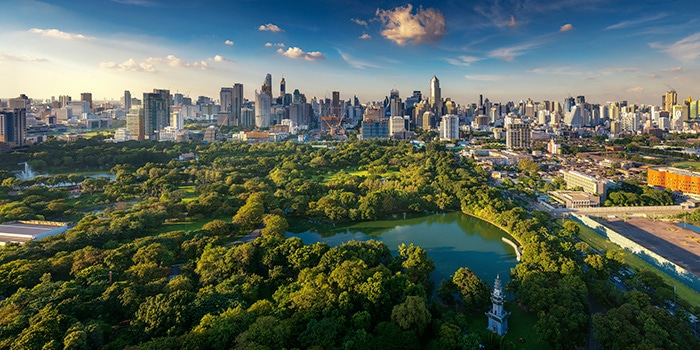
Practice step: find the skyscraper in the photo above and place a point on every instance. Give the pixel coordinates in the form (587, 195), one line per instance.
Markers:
(335, 104)
(262, 109)
(267, 85)
(127, 100)
(87, 97)
(13, 126)
(156, 112)
(449, 127)
(236, 103)
(517, 135)
(670, 99)
(63, 100)
(435, 97)
(283, 88)
(135, 124)
(226, 99)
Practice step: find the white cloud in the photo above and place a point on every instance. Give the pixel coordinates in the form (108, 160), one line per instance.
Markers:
(145, 3)
(228, 42)
(356, 63)
(465, 61)
(484, 77)
(274, 44)
(129, 66)
(567, 27)
(219, 58)
(612, 70)
(176, 62)
(55, 33)
(654, 76)
(686, 49)
(673, 70)
(365, 36)
(297, 53)
(635, 89)
(270, 28)
(636, 22)
(359, 21)
(509, 53)
(23, 58)
(403, 27)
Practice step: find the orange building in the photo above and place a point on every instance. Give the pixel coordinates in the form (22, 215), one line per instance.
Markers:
(675, 179)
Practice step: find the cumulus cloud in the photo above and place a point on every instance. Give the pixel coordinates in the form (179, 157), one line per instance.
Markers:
(365, 36)
(635, 89)
(270, 28)
(274, 44)
(219, 58)
(484, 77)
(359, 21)
(403, 27)
(228, 42)
(355, 62)
(673, 70)
(55, 33)
(465, 61)
(129, 66)
(567, 27)
(297, 53)
(23, 58)
(176, 62)
(686, 49)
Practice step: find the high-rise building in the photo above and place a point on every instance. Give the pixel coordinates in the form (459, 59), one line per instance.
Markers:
(335, 104)
(568, 103)
(236, 103)
(13, 126)
(396, 124)
(262, 109)
(517, 135)
(267, 85)
(449, 127)
(156, 112)
(135, 124)
(435, 97)
(226, 99)
(670, 100)
(127, 100)
(87, 97)
(283, 87)
(63, 100)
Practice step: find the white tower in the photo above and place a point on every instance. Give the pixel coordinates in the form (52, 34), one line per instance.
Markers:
(498, 318)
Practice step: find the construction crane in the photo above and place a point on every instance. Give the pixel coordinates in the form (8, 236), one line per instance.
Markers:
(670, 87)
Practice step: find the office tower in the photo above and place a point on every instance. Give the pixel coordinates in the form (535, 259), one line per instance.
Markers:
(21, 102)
(449, 127)
(529, 108)
(127, 100)
(179, 100)
(335, 104)
(283, 87)
(262, 109)
(226, 99)
(435, 98)
(237, 103)
(135, 124)
(581, 100)
(87, 97)
(568, 103)
(670, 100)
(267, 85)
(517, 135)
(63, 100)
(13, 126)
(450, 106)
(156, 112)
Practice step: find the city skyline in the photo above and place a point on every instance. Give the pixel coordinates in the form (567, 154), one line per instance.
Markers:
(505, 50)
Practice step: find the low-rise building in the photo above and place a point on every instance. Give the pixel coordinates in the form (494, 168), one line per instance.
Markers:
(26, 230)
(576, 199)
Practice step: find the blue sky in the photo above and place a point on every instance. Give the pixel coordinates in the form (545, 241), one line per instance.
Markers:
(505, 49)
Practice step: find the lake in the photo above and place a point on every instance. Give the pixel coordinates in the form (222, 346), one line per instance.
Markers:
(452, 240)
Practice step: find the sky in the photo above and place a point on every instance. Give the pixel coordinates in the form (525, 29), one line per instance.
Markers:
(507, 50)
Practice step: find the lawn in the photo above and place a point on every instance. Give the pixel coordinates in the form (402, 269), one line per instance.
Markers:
(521, 329)
(360, 173)
(189, 193)
(635, 263)
(187, 225)
(695, 166)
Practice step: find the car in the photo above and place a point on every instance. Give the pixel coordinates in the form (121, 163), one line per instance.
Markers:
(617, 279)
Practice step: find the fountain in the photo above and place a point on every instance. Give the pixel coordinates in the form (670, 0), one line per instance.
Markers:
(27, 173)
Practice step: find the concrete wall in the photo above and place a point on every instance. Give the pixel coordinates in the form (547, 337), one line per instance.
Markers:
(656, 260)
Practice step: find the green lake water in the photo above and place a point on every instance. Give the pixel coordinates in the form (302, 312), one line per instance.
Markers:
(452, 240)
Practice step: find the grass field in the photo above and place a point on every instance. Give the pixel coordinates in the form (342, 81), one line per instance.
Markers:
(695, 166)
(187, 225)
(189, 193)
(360, 173)
(635, 263)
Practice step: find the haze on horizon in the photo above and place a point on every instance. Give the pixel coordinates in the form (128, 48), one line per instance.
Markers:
(505, 50)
